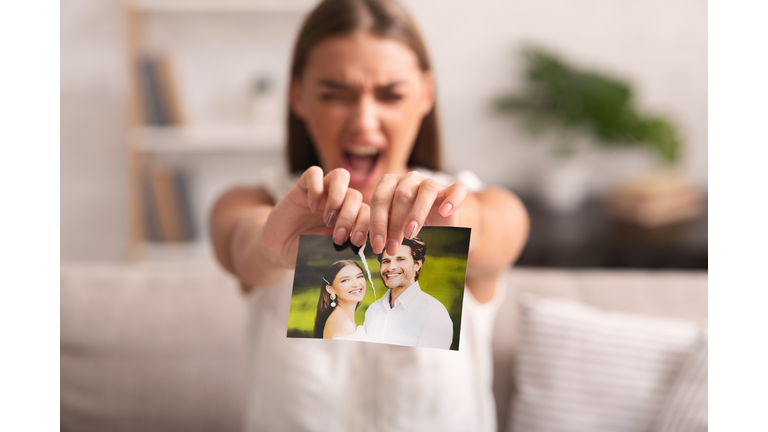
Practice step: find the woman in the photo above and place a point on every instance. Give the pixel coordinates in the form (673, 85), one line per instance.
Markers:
(342, 290)
(364, 147)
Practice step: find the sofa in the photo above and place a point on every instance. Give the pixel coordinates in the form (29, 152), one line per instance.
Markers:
(162, 347)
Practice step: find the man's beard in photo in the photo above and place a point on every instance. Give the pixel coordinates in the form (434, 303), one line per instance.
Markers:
(401, 282)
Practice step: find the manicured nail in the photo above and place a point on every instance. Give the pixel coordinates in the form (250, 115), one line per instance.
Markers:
(314, 205)
(358, 239)
(377, 244)
(330, 218)
(445, 209)
(340, 236)
(411, 228)
(392, 247)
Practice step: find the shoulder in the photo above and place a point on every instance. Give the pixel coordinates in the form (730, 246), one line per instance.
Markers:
(276, 181)
(432, 306)
(249, 196)
(429, 300)
(337, 326)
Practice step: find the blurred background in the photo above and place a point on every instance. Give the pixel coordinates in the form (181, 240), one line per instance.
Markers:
(166, 103)
(594, 112)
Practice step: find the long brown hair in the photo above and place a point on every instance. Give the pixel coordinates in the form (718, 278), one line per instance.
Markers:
(324, 308)
(385, 18)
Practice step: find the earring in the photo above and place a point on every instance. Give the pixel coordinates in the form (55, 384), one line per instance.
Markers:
(333, 300)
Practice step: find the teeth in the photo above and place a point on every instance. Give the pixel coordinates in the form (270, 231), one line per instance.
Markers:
(363, 151)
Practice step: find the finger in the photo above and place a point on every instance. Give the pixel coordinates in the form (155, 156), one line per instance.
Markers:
(312, 182)
(381, 200)
(402, 203)
(452, 198)
(336, 184)
(428, 193)
(347, 216)
(360, 230)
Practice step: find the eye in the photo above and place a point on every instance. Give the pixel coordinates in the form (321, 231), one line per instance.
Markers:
(340, 95)
(390, 97)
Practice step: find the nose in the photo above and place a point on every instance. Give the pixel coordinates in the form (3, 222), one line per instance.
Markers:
(366, 116)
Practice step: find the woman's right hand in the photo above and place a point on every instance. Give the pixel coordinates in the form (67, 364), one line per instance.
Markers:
(316, 204)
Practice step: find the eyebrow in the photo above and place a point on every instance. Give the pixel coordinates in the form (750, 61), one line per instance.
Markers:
(340, 86)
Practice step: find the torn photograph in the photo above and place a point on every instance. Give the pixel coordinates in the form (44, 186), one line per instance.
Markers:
(412, 298)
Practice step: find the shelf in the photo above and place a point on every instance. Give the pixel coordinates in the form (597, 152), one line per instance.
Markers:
(589, 238)
(225, 6)
(209, 139)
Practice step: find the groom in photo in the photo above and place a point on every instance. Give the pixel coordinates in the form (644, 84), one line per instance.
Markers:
(406, 315)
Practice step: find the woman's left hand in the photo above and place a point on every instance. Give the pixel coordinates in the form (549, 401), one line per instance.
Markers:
(402, 204)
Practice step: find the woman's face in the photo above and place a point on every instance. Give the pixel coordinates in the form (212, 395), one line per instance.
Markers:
(363, 98)
(349, 285)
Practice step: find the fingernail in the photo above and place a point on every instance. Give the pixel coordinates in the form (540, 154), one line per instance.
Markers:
(411, 228)
(340, 236)
(392, 246)
(313, 206)
(378, 244)
(358, 239)
(330, 218)
(445, 210)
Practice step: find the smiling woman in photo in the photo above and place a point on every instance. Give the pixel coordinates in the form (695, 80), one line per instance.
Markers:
(342, 289)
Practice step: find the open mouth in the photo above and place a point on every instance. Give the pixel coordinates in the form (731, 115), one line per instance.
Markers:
(356, 291)
(391, 275)
(361, 162)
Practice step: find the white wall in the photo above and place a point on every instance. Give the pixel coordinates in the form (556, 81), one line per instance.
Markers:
(661, 46)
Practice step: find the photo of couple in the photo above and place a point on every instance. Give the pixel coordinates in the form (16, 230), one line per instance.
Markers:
(412, 298)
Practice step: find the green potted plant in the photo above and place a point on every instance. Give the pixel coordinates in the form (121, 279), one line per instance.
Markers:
(572, 103)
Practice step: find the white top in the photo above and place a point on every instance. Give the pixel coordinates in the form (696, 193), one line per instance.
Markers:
(358, 335)
(418, 319)
(328, 385)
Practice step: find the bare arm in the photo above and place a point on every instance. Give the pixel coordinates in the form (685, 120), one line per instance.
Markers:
(500, 228)
(237, 220)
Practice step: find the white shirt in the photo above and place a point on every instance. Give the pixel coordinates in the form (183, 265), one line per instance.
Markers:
(340, 385)
(418, 319)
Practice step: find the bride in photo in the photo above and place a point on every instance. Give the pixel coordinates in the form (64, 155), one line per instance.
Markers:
(342, 288)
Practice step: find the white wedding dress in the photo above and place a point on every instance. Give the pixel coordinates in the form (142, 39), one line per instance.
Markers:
(358, 335)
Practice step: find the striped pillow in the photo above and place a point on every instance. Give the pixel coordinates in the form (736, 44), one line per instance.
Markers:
(580, 368)
(685, 409)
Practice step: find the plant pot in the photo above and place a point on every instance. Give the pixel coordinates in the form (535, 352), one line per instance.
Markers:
(564, 185)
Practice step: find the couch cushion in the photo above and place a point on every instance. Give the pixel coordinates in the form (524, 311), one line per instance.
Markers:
(580, 368)
(685, 409)
(666, 293)
(151, 348)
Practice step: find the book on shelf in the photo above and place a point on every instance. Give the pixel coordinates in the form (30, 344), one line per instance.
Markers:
(154, 233)
(168, 209)
(159, 91)
(181, 183)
